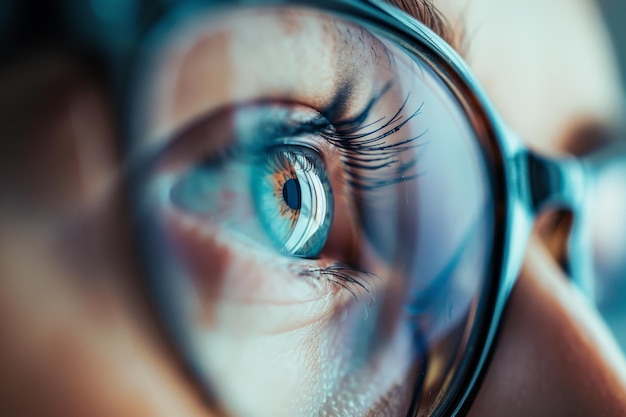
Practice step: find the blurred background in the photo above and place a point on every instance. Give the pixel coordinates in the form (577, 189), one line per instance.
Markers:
(615, 15)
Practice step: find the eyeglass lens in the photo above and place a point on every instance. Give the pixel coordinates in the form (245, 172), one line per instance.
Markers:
(317, 212)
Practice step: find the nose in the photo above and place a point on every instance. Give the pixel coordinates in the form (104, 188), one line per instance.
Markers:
(554, 356)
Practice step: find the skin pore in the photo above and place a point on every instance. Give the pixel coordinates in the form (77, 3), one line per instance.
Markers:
(74, 346)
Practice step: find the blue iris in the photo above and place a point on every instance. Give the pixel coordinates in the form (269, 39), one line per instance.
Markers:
(286, 188)
(294, 200)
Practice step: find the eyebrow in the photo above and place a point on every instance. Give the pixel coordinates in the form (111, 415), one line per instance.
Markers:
(427, 13)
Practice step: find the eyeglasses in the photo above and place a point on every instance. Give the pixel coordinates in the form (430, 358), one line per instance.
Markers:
(332, 212)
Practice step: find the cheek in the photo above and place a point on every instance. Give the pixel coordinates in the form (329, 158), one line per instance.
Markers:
(254, 325)
(75, 337)
(275, 340)
(554, 355)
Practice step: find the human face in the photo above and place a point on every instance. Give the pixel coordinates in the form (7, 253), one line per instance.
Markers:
(104, 325)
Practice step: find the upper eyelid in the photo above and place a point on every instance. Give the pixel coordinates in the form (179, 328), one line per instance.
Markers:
(429, 15)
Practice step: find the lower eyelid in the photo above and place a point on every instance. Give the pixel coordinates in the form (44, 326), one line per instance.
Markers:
(219, 259)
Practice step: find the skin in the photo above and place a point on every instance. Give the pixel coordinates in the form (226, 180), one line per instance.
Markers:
(78, 336)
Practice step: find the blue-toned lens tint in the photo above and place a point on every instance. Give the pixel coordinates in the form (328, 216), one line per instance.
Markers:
(321, 224)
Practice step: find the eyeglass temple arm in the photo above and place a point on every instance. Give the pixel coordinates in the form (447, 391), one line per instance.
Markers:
(572, 184)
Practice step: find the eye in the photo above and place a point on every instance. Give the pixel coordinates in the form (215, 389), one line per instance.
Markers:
(294, 200)
(285, 188)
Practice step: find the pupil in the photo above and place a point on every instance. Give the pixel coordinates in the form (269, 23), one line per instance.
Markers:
(291, 194)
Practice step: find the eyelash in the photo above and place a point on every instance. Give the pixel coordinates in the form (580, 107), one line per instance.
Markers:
(362, 151)
(352, 278)
(367, 150)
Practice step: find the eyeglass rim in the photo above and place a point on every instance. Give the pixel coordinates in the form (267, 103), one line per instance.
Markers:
(505, 153)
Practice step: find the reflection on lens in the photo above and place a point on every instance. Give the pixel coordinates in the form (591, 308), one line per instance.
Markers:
(318, 217)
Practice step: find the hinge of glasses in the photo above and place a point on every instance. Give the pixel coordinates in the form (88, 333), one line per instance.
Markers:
(560, 184)
(554, 183)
